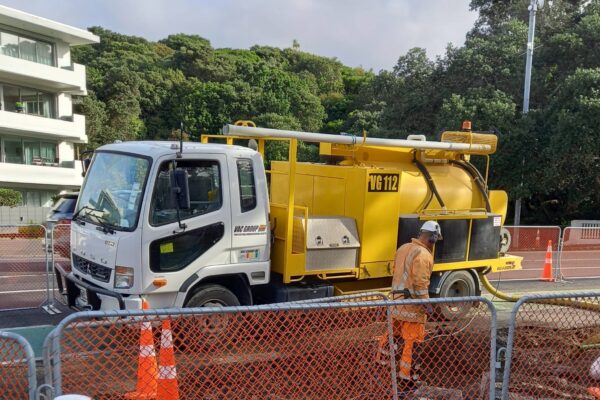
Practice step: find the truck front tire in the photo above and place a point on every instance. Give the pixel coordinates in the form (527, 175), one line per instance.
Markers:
(212, 296)
(190, 329)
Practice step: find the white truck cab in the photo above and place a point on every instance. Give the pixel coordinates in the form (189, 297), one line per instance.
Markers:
(157, 219)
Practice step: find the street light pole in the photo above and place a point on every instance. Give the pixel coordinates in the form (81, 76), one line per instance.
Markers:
(533, 6)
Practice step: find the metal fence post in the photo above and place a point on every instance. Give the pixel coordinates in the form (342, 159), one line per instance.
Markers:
(29, 359)
(493, 343)
(50, 306)
(509, 347)
(393, 373)
(558, 273)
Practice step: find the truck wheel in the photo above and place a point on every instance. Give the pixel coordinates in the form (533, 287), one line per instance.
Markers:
(457, 284)
(212, 296)
(213, 325)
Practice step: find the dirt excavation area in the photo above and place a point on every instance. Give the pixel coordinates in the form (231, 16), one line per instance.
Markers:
(552, 358)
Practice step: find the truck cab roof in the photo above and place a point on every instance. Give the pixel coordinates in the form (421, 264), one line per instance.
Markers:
(156, 149)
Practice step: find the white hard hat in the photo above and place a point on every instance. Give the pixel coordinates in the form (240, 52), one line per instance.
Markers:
(431, 226)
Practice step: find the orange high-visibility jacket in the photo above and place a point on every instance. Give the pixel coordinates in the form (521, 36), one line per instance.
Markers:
(412, 270)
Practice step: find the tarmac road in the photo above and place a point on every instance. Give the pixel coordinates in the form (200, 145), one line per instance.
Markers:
(520, 288)
(573, 264)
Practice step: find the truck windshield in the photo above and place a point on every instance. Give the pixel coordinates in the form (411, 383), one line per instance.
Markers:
(112, 193)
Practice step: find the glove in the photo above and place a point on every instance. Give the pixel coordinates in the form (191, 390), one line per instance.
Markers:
(429, 310)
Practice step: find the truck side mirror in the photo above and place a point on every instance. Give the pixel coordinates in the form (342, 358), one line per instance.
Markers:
(85, 164)
(181, 189)
(86, 161)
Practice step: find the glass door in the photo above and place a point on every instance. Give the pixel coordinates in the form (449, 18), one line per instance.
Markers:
(13, 151)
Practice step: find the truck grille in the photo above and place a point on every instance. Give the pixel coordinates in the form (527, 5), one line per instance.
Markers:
(95, 270)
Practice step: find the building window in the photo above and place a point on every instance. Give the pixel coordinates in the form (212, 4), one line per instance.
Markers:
(29, 151)
(26, 48)
(27, 101)
(37, 198)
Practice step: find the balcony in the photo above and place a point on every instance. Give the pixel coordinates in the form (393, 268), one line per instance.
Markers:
(56, 79)
(48, 176)
(19, 123)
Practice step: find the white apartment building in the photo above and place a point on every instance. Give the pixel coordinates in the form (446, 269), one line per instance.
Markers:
(39, 134)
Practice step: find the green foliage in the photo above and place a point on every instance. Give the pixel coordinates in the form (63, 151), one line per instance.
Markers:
(143, 90)
(10, 198)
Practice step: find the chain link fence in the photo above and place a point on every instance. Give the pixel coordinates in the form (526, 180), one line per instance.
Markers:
(339, 350)
(531, 243)
(553, 342)
(17, 367)
(287, 351)
(24, 276)
(61, 258)
(580, 253)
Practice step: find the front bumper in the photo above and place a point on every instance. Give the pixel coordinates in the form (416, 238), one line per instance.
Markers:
(83, 295)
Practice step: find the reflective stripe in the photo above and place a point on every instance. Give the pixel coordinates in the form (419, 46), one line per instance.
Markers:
(166, 341)
(407, 314)
(167, 372)
(412, 292)
(147, 351)
(408, 263)
(404, 364)
(384, 352)
(398, 288)
(421, 292)
(146, 326)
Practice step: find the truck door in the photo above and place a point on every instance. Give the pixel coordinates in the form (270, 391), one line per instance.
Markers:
(249, 208)
(175, 251)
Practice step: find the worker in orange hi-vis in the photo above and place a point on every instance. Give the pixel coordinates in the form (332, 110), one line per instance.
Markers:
(412, 271)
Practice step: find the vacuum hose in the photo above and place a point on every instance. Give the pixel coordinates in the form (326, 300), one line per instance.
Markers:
(477, 178)
(582, 305)
(430, 184)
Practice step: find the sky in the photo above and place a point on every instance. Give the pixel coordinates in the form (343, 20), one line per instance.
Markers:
(367, 33)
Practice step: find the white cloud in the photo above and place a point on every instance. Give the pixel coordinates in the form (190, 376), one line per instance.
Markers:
(371, 33)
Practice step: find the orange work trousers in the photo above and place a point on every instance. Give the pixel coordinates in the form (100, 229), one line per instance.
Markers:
(411, 333)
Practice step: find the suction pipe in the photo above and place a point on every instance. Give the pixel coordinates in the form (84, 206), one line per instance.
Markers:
(247, 131)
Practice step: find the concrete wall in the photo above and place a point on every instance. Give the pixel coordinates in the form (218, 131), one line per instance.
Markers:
(23, 215)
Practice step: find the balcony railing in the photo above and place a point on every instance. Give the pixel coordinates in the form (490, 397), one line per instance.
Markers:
(42, 175)
(20, 123)
(70, 79)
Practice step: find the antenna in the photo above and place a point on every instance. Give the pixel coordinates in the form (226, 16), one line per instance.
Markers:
(180, 140)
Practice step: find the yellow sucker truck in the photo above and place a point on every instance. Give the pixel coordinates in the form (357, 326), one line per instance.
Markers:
(204, 224)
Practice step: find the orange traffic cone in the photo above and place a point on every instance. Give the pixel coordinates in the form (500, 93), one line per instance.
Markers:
(547, 273)
(147, 369)
(594, 391)
(167, 373)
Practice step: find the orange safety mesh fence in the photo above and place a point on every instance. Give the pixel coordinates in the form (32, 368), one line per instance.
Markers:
(554, 348)
(580, 253)
(299, 352)
(23, 264)
(17, 367)
(61, 257)
(531, 243)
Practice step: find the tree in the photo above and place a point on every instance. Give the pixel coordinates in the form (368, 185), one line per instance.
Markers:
(572, 145)
(10, 198)
(143, 89)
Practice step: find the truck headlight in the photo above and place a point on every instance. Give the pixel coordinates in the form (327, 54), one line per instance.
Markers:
(123, 277)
